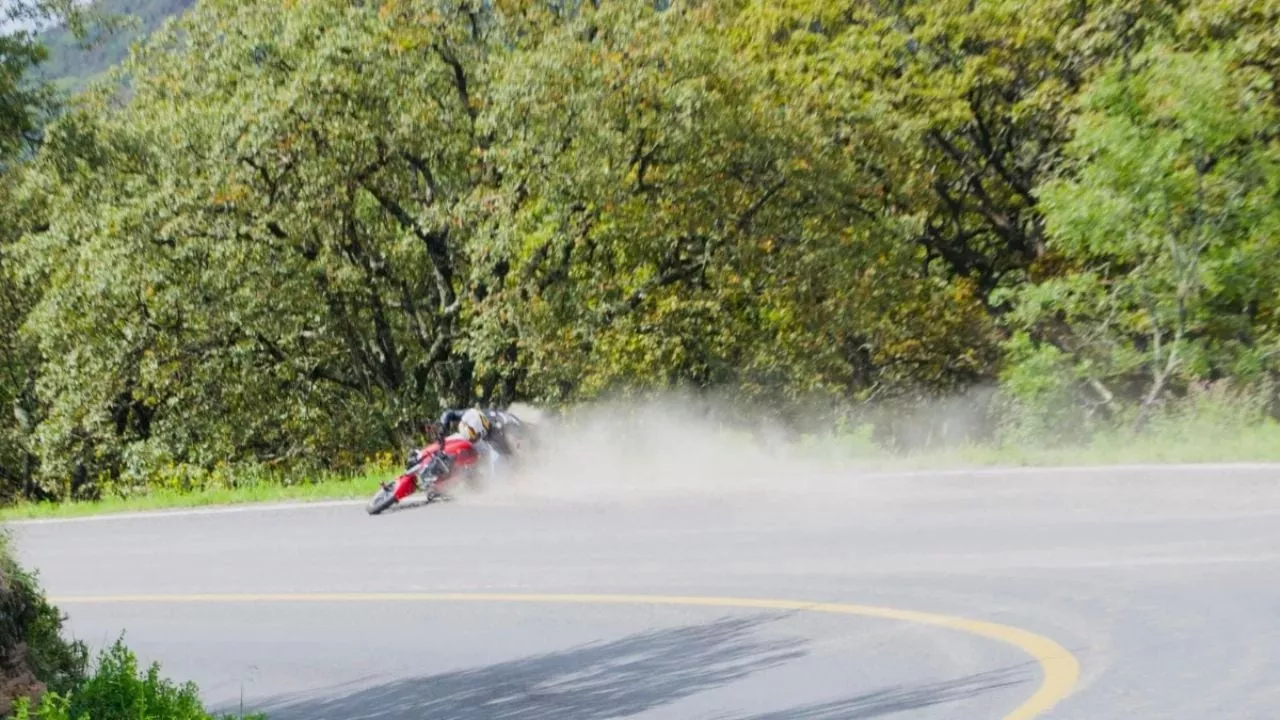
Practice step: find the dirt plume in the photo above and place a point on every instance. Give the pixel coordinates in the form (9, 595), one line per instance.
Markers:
(664, 448)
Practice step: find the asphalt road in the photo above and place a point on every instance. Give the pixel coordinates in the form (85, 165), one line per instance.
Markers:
(1163, 584)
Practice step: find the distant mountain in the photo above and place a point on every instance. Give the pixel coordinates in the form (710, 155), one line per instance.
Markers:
(71, 67)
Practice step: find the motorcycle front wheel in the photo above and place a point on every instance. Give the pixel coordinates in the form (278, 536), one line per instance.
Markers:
(385, 498)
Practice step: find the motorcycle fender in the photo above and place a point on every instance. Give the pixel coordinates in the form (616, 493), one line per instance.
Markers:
(405, 486)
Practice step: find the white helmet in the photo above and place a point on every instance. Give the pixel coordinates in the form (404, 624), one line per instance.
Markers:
(474, 425)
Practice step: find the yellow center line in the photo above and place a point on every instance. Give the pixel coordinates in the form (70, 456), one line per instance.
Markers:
(1059, 667)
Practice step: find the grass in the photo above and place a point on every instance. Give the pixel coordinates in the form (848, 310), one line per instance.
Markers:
(327, 488)
(1203, 441)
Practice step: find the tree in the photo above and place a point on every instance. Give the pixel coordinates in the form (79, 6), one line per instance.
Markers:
(665, 221)
(309, 225)
(24, 107)
(954, 111)
(257, 256)
(1169, 227)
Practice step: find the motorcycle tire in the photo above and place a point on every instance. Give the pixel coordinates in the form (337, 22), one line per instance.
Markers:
(385, 498)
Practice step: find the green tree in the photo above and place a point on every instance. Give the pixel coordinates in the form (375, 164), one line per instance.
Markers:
(953, 111)
(308, 225)
(1169, 224)
(665, 220)
(258, 256)
(25, 105)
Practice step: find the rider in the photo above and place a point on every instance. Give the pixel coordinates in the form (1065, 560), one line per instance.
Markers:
(484, 429)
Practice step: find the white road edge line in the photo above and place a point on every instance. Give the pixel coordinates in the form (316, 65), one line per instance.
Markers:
(974, 472)
(217, 510)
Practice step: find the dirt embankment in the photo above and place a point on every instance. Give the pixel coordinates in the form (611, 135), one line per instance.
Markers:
(17, 680)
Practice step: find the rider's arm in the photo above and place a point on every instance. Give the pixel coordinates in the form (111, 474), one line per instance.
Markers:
(448, 418)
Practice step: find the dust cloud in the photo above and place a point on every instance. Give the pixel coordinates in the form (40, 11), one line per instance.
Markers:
(669, 447)
(690, 446)
(685, 448)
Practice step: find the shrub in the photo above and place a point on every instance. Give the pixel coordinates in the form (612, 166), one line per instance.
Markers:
(31, 632)
(120, 690)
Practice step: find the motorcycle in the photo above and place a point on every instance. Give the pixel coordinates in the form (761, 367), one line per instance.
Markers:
(433, 469)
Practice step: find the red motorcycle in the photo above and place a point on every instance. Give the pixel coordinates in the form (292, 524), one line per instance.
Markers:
(431, 470)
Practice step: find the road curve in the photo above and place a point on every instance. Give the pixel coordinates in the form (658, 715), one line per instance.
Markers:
(1071, 593)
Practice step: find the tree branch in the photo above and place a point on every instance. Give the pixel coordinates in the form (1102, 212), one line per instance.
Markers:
(459, 78)
(424, 170)
(437, 248)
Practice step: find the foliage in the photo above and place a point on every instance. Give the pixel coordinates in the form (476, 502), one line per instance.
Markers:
(72, 62)
(309, 225)
(673, 224)
(119, 689)
(31, 641)
(1171, 225)
(30, 631)
(318, 268)
(236, 486)
(24, 106)
(949, 112)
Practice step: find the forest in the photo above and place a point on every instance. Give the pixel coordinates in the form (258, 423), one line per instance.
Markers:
(283, 234)
(73, 62)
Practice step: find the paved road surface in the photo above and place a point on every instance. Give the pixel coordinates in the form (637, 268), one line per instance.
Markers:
(1163, 584)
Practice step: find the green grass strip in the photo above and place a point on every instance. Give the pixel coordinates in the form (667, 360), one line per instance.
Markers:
(331, 488)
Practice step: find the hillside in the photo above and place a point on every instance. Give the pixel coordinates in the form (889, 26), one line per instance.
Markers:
(920, 222)
(72, 66)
